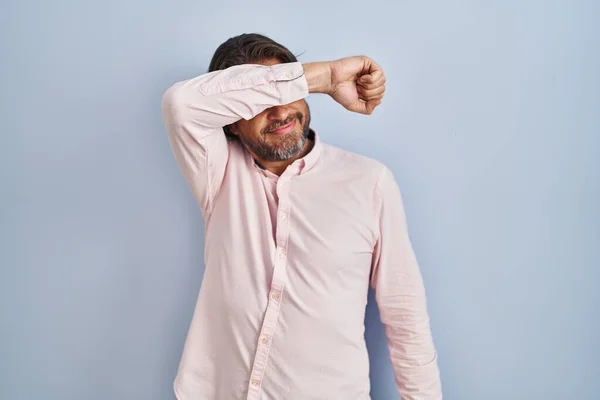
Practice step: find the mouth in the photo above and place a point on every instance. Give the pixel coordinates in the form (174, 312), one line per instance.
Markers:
(285, 129)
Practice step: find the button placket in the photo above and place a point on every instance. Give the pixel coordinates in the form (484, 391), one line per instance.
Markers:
(278, 282)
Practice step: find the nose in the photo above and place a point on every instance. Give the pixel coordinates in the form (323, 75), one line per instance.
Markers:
(278, 113)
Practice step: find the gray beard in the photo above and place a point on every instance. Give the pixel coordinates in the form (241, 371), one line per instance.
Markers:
(287, 150)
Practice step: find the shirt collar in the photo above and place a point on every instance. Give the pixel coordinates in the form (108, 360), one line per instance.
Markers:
(309, 160)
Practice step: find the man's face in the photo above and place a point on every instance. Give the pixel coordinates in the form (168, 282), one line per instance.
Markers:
(278, 133)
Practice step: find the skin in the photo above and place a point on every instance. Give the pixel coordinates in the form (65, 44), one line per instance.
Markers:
(278, 136)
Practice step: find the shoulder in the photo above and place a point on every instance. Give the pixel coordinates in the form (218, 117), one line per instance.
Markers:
(362, 174)
(348, 162)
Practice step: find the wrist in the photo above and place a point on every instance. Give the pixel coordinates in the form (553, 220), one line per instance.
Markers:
(318, 77)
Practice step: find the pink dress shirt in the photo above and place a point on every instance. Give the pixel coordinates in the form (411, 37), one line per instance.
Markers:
(289, 259)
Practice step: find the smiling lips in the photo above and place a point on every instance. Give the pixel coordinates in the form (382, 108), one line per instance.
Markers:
(285, 129)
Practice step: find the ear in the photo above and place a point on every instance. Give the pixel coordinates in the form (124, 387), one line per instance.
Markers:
(233, 129)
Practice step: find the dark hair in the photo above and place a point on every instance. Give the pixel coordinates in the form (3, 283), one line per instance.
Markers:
(248, 48)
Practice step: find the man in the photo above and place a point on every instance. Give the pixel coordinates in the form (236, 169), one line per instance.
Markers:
(296, 231)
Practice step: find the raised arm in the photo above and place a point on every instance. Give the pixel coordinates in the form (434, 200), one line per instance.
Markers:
(401, 299)
(196, 110)
(357, 83)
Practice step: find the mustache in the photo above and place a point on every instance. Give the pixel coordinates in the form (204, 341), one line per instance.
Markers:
(278, 124)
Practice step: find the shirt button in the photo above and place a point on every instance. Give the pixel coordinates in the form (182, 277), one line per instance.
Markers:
(265, 340)
(289, 74)
(281, 256)
(276, 296)
(283, 216)
(255, 382)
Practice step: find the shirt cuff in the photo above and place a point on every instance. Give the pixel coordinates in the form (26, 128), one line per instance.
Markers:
(290, 81)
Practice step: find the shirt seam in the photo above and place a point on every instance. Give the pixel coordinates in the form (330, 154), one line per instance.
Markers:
(209, 185)
(379, 202)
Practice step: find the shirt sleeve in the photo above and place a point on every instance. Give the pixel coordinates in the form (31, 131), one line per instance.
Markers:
(400, 295)
(196, 110)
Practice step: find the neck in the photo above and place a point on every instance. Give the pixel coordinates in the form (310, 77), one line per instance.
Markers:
(277, 167)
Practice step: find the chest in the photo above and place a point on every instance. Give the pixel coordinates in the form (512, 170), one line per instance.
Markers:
(314, 213)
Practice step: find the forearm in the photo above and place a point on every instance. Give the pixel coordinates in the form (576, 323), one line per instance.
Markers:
(318, 77)
(221, 98)
(412, 351)
(196, 110)
(401, 298)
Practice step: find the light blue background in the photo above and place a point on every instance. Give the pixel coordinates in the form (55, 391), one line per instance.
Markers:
(491, 125)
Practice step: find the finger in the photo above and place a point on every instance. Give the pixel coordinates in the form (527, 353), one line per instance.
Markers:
(358, 106)
(368, 83)
(367, 94)
(374, 73)
(370, 78)
(364, 107)
(371, 105)
(379, 97)
(374, 96)
(373, 66)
